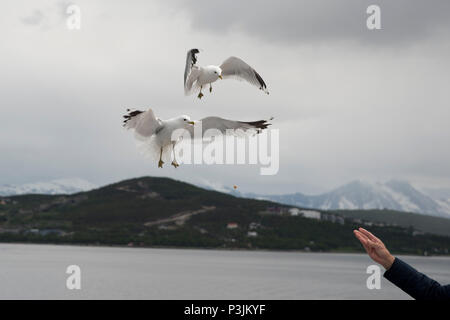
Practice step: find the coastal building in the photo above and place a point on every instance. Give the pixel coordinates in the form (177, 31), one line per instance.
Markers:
(254, 226)
(232, 225)
(294, 211)
(310, 214)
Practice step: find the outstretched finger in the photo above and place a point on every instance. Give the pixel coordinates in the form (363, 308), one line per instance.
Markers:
(363, 239)
(368, 244)
(359, 234)
(369, 235)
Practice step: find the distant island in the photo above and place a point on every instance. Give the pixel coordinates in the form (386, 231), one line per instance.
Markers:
(150, 212)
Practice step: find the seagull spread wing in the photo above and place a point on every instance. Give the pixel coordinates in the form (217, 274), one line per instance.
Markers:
(223, 125)
(236, 68)
(145, 124)
(191, 71)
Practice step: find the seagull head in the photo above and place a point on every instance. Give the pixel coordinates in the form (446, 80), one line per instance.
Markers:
(186, 120)
(217, 71)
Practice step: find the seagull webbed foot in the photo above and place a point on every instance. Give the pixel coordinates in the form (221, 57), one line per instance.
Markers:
(200, 95)
(160, 163)
(175, 164)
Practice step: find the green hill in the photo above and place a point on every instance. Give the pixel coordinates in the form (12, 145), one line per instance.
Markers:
(417, 221)
(164, 212)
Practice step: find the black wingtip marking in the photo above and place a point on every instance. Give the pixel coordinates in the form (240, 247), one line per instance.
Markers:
(130, 115)
(260, 125)
(191, 60)
(261, 81)
(194, 55)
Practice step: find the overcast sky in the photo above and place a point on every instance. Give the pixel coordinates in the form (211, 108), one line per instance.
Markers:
(350, 103)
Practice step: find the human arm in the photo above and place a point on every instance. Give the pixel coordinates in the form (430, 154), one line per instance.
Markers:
(414, 283)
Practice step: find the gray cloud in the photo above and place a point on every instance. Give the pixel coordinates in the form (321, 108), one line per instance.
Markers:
(35, 18)
(345, 110)
(303, 21)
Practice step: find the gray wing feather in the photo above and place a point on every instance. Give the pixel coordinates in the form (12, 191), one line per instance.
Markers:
(236, 68)
(145, 124)
(223, 125)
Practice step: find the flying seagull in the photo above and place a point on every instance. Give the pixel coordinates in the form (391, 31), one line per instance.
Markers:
(158, 133)
(196, 77)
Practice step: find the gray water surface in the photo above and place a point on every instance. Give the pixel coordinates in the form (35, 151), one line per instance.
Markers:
(39, 272)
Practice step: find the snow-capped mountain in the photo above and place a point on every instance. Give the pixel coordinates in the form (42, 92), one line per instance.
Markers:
(394, 194)
(59, 186)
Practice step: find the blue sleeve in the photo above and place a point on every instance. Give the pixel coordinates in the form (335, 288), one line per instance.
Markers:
(414, 283)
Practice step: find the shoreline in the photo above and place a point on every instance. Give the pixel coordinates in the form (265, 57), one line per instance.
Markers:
(208, 248)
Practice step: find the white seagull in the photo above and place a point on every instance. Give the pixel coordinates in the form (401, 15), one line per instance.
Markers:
(157, 133)
(196, 77)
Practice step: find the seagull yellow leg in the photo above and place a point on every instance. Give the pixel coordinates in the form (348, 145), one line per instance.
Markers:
(200, 95)
(160, 163)
(174, 162)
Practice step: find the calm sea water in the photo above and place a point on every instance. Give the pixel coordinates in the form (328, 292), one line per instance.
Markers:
(39, 272)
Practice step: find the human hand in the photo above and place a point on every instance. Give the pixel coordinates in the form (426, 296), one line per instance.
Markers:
(375, 248)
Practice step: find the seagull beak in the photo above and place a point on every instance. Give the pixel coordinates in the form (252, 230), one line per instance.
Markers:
(191, 122)
(220, 76)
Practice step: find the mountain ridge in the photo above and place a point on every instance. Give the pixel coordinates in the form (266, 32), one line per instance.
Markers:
(394, 195)
(156, 211)
(52, 187)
